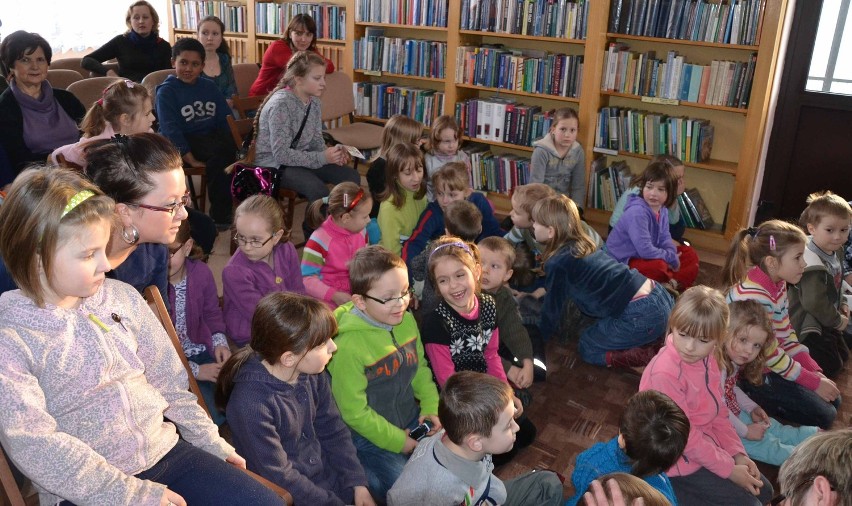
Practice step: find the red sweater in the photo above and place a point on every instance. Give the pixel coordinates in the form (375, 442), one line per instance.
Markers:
(272, 67)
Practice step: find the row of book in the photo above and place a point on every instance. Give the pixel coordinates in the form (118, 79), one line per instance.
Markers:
(402, 12)
(722, 82)
(271, 17)
(528, 70)
(188, 13)
(694, 211)
(725, 21)
(642, 132)
(500, 119)
(608, 183)
(552, 18)
(413, 57)
(496, 173)
(383, 100)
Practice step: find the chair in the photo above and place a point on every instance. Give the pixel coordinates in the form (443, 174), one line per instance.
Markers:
(155, 300)
(199, 197)
(338, 102)
(74, 64)
(154, 79)
(88, 91)
(247, 106)
(61, 78)
(11, 492)
(245, 75)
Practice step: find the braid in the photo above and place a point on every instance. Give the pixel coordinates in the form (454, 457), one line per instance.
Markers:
(256, 126)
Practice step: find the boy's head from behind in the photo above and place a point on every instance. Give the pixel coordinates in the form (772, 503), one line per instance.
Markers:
(653, 431)
(498, 256)
(477, 413)
(451, 183)
(188, 59)
(524, 198)
(378, 279)
(464, 220)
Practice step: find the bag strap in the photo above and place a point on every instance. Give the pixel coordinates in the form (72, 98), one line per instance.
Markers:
(301, 127)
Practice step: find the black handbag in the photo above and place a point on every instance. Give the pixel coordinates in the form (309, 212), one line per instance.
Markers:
(248, 180)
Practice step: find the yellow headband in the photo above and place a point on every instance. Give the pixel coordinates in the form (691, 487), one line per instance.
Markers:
(76, 200)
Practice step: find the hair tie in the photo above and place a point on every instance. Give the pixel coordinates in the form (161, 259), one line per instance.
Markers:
(772, 245)
(120, 139)
(78, 198)
(752, 232)
(100, 102)
(130, 84)
(457, 244)
(350, 206)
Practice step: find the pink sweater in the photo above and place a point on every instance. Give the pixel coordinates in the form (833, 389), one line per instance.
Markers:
(325, 259)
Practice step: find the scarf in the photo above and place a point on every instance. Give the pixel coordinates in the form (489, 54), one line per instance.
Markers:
(46, 124)
(147, 43)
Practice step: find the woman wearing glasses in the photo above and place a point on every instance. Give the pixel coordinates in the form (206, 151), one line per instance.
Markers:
(265, 262)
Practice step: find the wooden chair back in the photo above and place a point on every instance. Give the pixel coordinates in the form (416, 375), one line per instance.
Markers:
(247, 106)
(154, 79)
(75, 64)
(245, 74)
(10, 493)
(88, 91)
(61, 78)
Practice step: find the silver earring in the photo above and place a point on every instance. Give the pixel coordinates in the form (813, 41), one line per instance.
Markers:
(132, 237)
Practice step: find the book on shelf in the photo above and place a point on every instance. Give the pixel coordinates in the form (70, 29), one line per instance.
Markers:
(412, 13)
(188, 13)
(273, 18)
(727, 22)
(382, 100)
(499, 173)
(500, 119)
(608, 183)
(396, 55)
(552, 18)
(698, 209)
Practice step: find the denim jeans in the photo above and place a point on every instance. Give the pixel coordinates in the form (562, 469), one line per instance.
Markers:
(382, 467)
(202, 478)
(791, 401)
(312, 182)
(704, 487)
(642, 321)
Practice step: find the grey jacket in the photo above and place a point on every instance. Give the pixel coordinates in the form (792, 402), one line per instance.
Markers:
(566, 174)
(279, 122)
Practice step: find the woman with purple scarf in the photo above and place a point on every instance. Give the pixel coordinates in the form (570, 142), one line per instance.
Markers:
(35, 119)
(139, 51)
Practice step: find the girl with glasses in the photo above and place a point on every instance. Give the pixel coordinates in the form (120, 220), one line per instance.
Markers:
(265, 262)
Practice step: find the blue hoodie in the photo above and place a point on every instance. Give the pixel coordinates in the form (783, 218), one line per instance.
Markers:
(190, 109)
(640, 233)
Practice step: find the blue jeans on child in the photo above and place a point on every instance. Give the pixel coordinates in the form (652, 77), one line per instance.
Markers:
(791, 401)
(311, 183)
(208, 389)
(778, 440)
(382, 467)
(202, 478)
(642, 321)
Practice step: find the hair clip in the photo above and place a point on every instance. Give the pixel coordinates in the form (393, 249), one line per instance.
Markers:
(77, 199)
(130, 84)
(123, 140)
(457, 244)
(752, 232)
(358, 196)
(772, 245)
(100, 102)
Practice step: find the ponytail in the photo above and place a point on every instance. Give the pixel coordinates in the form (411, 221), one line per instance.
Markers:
(121, 97)
(753, 245)
(736, 261)
(225, 381)
(94, 122)
(316, 213)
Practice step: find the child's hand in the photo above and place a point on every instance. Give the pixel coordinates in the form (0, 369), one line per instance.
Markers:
(744, 460)
(410, 444)
(222, 353)
(435, 421)
(171, 497)
(236, 461)
(518, 294)
(335, 155)
(539, 293)
(414, 303)
(742, 477)
(827, 390)
(597, 497)
(208, 372)
(755, 431)
(341, 298)
(190, 160)
(758, 415)
(519, 408)
(522, 377)
(363, 497)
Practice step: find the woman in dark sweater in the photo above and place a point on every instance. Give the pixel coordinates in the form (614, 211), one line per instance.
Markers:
(139, 52)
(35, 119)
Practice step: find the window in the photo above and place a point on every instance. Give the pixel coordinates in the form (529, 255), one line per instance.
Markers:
(830, 70)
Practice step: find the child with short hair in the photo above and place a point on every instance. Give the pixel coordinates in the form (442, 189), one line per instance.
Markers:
(380, 378)
(741, 356)
(196, 315)
(280, 408)
(455, 465)
(90, 384)
(622, 489)
(265, 262)
(334, 243)
(558, 159)
(761, 262)
(714, 467)
(652, 434)
(403, 199)
(398, 130)
(818, 310)
(193, 115)
(444, 143)
(451, 183)
(631, 310)
(641, 238)
(125, 108)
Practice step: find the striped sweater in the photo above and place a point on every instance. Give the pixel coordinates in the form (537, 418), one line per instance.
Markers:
(324, 260)
(786, 357)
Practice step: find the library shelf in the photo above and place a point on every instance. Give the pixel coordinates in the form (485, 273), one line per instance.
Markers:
(711, 165)
(683, 42)
(518, 93)
(379, 73)
(684, 103)
(506, 145)
(503, 35)
(407, 27)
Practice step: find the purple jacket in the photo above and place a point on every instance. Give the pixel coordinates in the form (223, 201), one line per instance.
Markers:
(641, 234)
(245, 282)
(203, 314)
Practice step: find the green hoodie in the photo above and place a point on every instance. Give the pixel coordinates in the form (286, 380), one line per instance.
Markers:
(377, 373)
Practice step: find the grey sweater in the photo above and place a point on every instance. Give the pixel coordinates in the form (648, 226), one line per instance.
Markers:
(279, 122)
(566, 174)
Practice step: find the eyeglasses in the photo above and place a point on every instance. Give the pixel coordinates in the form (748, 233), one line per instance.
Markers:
(254, 243)
(171, 208)
(780, 498)
(401, 300)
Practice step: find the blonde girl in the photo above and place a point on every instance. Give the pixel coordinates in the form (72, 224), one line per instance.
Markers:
(403, 199)
(558, 160)
(125, 108)
(444, 143)
(630, 310)
(742, 356)
(398, 130)
(280, 407)
(217, 60)
(760, 263)
(81, 352)
(265, 262)
(288, 132)
(714, 467)
(328, 251)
